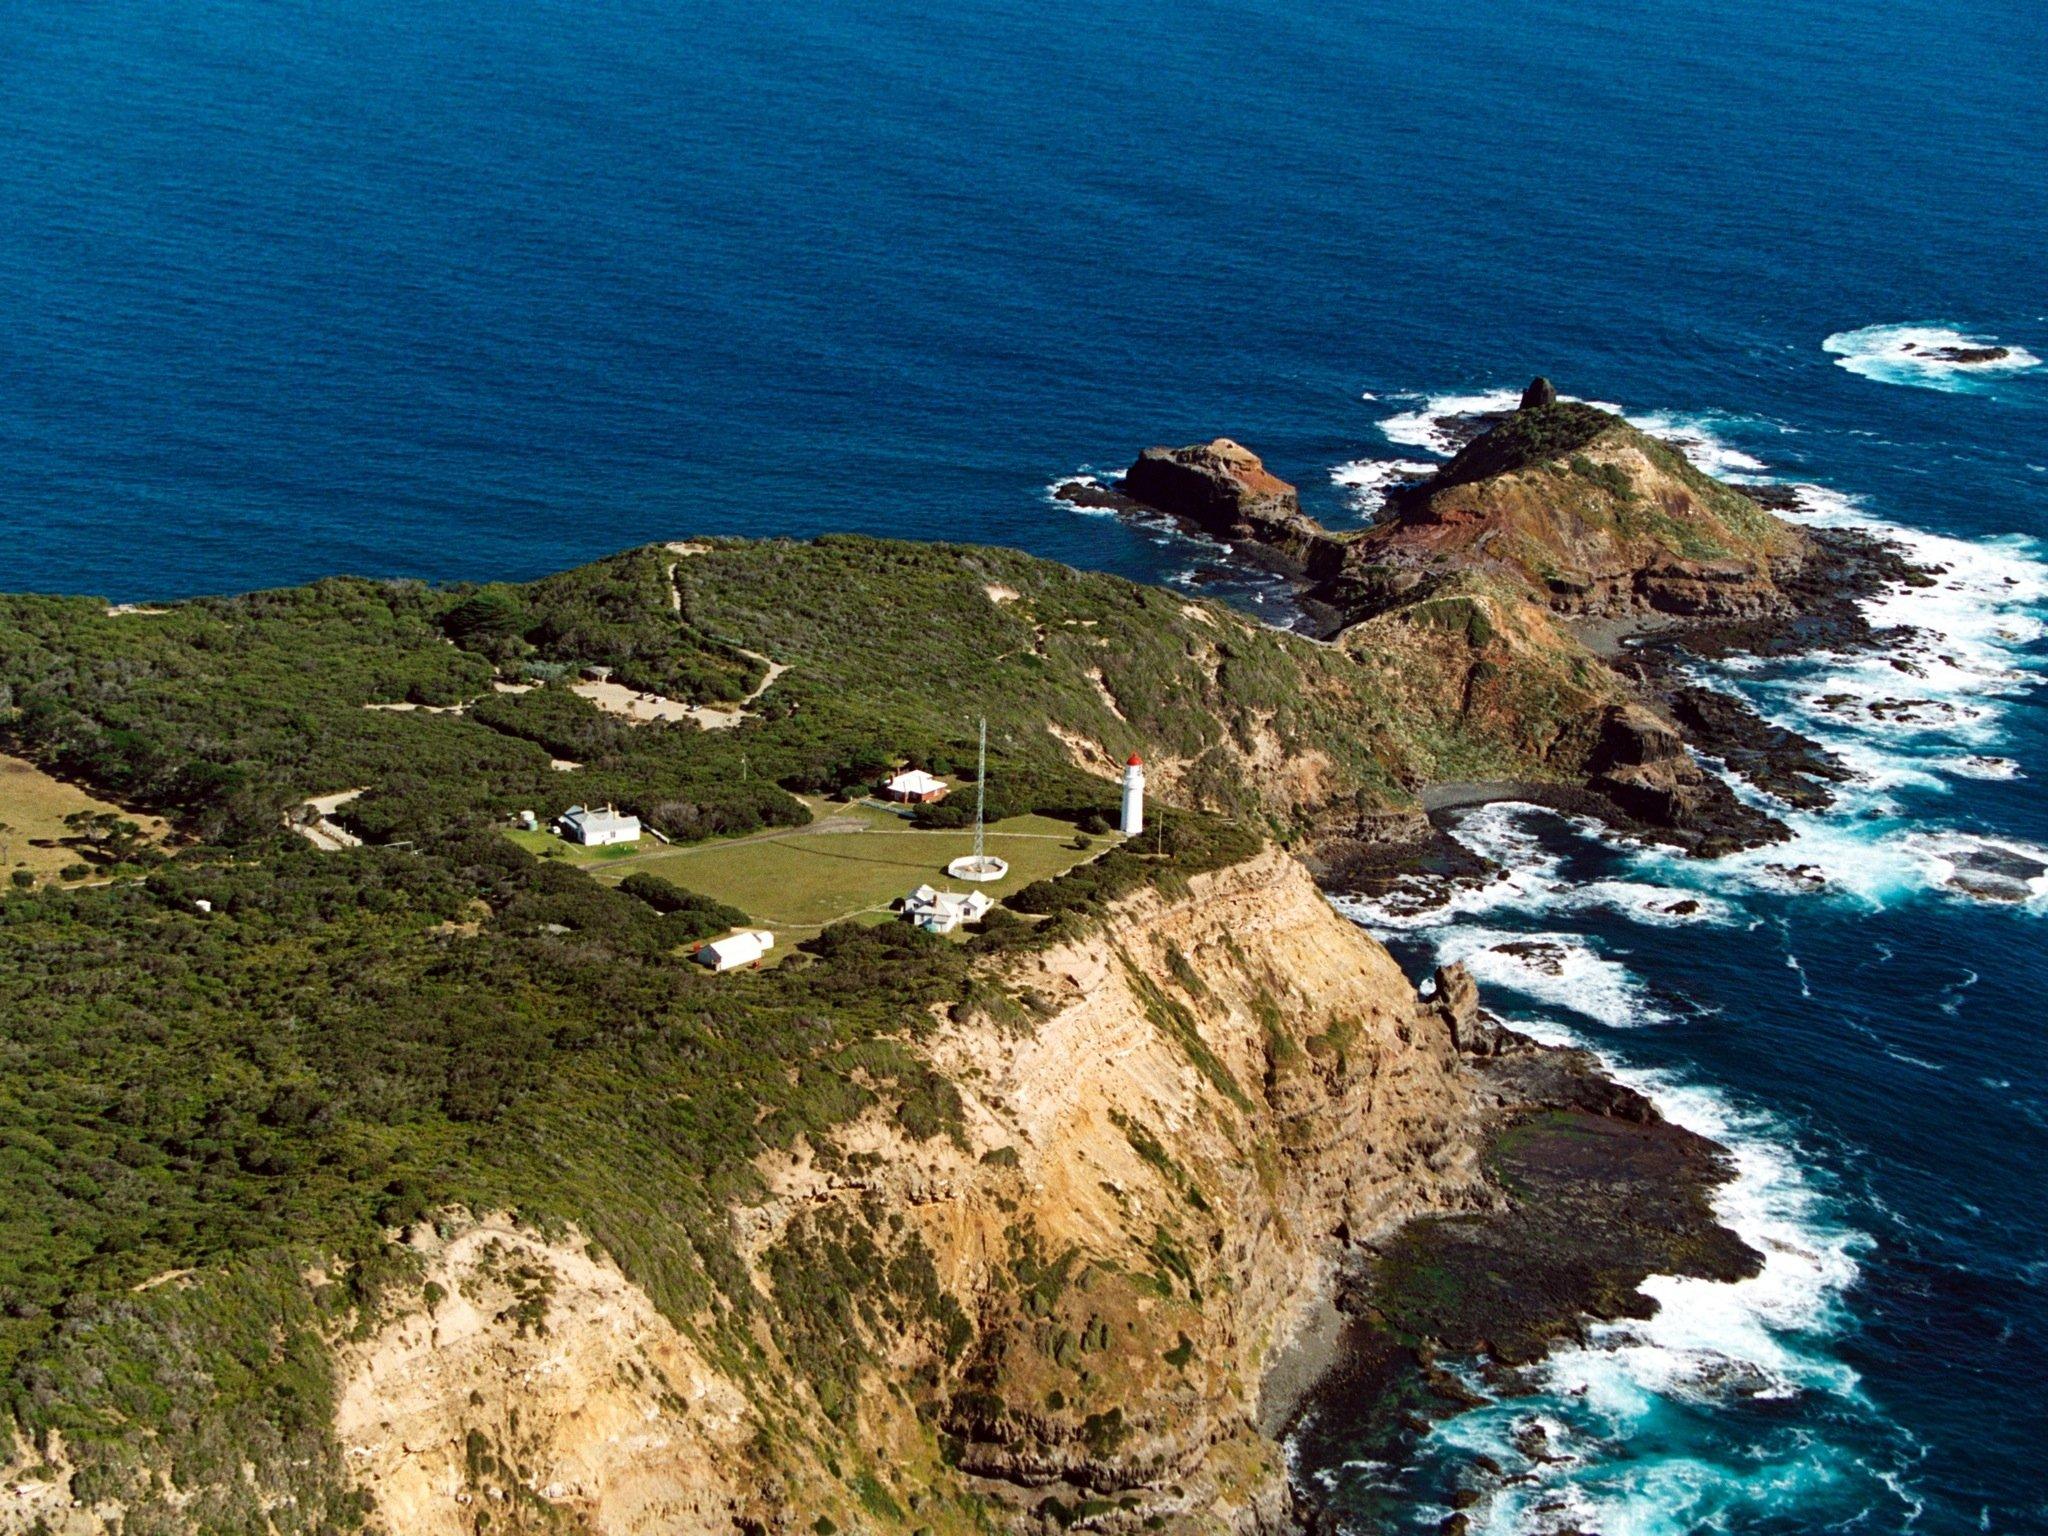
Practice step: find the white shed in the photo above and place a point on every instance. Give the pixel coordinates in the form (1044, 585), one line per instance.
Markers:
(597, 829)
(736, 949)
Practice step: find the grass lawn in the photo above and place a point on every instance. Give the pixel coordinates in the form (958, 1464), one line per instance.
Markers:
(548, 846)
(32, 810)
(853, 860)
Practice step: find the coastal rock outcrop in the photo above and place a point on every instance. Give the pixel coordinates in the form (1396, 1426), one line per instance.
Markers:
(1588, 515)
(1455, 1001)
(1641, 764)
(1225, 490)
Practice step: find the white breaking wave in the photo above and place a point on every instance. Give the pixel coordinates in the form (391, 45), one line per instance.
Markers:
(1367, 481)
(1924, 356)
(1977, 766)
(1558, 970)
(1698, 437)
(1424, 427)
(1709, 1343)
(1528, 879)
(1052, 494)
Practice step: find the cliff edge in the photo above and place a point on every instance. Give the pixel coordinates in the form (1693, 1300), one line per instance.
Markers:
(1174, 1129)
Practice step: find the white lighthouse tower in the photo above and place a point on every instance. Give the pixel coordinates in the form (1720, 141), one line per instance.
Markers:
(1134, 797)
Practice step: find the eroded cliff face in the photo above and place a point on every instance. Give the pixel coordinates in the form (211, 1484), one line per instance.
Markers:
(538, 1379)
(1172, 1129)
(1222, 1091)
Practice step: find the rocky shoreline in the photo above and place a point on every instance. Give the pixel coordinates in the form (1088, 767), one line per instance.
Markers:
(1597, 1192)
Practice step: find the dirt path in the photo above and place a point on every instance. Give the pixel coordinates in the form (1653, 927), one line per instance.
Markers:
(641, 708)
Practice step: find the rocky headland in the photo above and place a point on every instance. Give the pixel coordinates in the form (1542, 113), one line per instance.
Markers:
(1544, 588)
(1182, 1138)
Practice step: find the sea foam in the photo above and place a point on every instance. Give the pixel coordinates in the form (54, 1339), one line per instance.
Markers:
(1527, 877)
(1429, 425)
(1366, 481)
(1902, 354)
(1726, 1349)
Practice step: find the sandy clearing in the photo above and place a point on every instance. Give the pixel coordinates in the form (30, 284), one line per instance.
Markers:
(645, 708)
(324, 833)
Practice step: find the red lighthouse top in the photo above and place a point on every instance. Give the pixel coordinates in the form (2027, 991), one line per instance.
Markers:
(1136, 761)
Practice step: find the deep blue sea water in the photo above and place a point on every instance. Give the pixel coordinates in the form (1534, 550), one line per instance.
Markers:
(489, 290)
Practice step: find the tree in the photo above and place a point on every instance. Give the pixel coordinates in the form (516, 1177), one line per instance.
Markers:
(110, 836)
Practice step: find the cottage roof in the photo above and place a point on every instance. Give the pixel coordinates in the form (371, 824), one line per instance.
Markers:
(584, 816)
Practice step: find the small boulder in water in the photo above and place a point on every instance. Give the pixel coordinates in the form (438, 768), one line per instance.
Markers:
(1802, 876)
(1995, 872)
(1538, 954)
(1969, 356)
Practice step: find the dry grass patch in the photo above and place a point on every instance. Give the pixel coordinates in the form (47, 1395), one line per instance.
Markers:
(33, 806)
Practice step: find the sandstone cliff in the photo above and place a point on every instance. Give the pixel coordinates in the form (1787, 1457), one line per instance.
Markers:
(1173, 1130)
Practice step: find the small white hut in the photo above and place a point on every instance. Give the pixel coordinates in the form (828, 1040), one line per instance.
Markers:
(916, 787)
(736, 949)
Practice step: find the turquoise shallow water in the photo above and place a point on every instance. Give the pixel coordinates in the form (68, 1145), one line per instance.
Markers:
(486, 291)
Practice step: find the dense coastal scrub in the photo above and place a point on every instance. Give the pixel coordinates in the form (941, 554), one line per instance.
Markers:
(229, 711)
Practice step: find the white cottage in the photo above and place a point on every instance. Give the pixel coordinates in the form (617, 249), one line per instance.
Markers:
(937, 911)
(736, 949)
(597, 828)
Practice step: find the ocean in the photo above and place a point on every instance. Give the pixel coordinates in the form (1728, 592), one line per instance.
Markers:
(485, 291)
